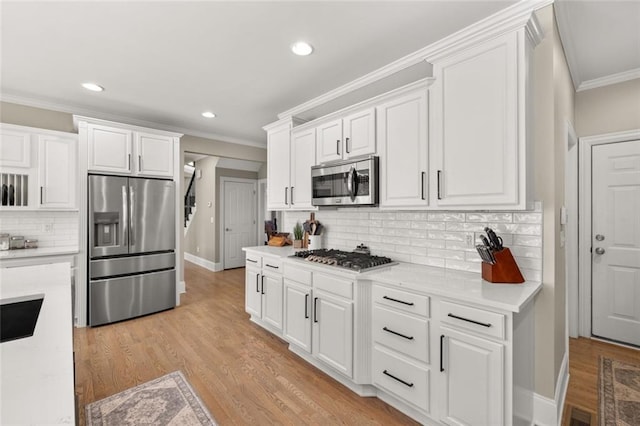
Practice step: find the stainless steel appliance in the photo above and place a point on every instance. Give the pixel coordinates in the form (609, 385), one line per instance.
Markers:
(352, 182)
(356, 261)
(131, 247)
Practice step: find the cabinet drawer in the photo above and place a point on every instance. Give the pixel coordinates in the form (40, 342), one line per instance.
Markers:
(478, 320)
(330, 284)
(404, 333)
(297, 274)
(253, 260)
(272, 264)
(402, 300)
(401, 378)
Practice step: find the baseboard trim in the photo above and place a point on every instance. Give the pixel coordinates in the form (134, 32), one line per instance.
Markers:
(215, 267)
(547, 411)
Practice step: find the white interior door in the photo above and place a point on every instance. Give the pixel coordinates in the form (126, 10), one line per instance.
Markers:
(616, 241)
(239, 221)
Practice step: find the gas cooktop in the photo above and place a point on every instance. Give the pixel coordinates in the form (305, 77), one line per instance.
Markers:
(344, 259)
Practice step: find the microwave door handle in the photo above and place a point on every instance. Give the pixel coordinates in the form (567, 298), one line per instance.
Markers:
(352, 185)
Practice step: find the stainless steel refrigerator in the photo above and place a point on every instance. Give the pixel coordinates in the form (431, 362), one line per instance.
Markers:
(131, 247)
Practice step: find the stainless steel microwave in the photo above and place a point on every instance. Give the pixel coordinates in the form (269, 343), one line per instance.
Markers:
(351, 182)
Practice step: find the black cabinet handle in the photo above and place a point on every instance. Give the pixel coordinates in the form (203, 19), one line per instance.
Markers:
(315, 309)
(291, 190)
(257, 283)
(271, 266)
(338, 147)
(347, 145)
(286, 195)
(397, 334)
(385, 372)
(262, 292)
(441, 344)
(306, 306)
(422, 175)
(439, 177)
(251, 260)
(484, 324)
(398, 301)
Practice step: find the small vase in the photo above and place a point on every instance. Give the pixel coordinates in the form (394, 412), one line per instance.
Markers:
(297, 244)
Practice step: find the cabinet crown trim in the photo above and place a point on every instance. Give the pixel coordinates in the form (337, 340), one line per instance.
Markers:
(509, 19)
(81, 121)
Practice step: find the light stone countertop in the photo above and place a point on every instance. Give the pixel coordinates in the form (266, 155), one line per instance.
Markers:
(458, 285)
(38, 252)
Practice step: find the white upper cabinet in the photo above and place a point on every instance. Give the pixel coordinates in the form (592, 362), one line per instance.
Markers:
(15, 148)
(278, 164)
(290, 155)
(154, 154)
(110, 149)
(403, 137)
(127, 151)
(303, 156)
(57, 169)
(479, 142)
(353, 135)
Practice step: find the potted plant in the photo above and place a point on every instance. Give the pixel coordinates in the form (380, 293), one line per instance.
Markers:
(297, 235)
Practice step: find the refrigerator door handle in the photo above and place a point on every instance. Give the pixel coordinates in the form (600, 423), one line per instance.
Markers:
(125, 218)
(132, 236)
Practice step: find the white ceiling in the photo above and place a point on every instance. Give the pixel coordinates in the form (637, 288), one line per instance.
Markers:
(163, 63)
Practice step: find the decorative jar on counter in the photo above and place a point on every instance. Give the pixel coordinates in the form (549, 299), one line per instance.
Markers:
(4, 241)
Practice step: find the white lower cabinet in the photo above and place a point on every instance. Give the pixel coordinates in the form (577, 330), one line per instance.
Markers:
(264, 291)
(473, 370)
(333, 332)
(297, 314)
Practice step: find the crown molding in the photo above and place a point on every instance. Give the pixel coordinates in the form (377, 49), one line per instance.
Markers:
(87, 112)
(609, 79)
(513, 17)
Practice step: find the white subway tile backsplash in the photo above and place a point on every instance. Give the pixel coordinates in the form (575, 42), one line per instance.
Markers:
(49, 228)
(431, 238)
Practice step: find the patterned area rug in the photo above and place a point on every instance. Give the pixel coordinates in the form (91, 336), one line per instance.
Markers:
(168, 401)
(619, 393)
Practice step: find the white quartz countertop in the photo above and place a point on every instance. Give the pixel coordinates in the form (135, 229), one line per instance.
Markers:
(462, 286)
(459, 285)
(38, 252)
(37, 372)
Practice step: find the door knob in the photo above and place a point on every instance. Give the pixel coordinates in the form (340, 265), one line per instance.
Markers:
(599, 237)
(599, 250)
(227, 229)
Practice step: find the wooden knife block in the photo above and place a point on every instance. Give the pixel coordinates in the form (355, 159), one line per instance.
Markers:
(505, 270)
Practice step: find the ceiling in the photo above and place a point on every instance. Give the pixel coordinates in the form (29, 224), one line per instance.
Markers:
(164, 63)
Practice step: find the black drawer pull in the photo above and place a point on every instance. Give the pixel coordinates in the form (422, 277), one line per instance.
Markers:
(257, 283)
(398, 301)
(271, 266)
(385, 372)
(397, 334)
(484, 324)
(441, 345)
(306, 306)
(262, 290)
(315, 309)
(251, 260)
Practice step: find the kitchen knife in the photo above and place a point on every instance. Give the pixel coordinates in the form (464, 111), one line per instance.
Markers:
(484, 240)
(494, 241)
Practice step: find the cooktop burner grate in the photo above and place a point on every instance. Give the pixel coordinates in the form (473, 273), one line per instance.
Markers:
(344, 259)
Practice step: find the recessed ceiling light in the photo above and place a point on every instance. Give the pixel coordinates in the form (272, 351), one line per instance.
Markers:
(208, 114)
(93, 87)
(301, 48)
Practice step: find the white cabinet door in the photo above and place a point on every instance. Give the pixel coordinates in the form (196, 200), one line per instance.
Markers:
(15, 148)
(478, 142)
(333, 332)
(303, 156)
(272, 288)
(278, 164)
(154, 155)
(329, 141)
(297, 314)
(57, 172)
(402, 134)
(473, 391)
(359, 132)
(109, 149)
(253, 291)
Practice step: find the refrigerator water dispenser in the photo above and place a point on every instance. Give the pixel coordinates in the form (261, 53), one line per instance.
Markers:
(106, 227)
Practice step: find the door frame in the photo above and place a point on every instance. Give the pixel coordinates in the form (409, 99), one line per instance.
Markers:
(223, 181)
(584, 248)
(571, 226)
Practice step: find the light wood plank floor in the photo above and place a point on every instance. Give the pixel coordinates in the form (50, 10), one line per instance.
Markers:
(243, 374)
(582, 392)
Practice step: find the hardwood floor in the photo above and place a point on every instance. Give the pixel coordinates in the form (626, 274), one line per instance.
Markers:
(582, 392)
(243, 374)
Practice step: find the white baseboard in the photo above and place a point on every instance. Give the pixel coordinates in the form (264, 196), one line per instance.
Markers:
(215, 267)
(546, 411)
